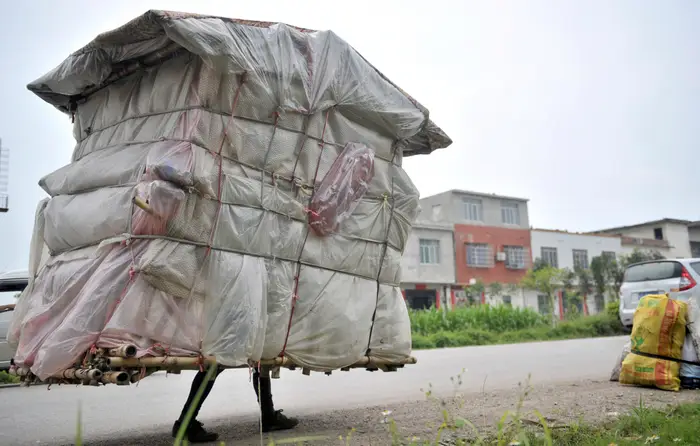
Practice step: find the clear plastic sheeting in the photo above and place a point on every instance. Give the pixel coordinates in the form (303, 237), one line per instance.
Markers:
(207, 148)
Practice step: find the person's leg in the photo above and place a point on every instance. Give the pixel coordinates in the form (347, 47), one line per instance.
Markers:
(272, 420)
(195, 432)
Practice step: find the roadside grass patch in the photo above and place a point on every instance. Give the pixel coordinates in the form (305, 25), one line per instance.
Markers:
(486, 325)
(676, 426)
(6, 378)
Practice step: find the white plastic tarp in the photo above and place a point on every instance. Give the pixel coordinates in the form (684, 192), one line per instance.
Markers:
(227, 129)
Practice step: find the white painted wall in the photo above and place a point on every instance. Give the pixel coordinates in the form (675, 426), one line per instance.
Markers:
(678, 236)
(694, 234)
(565, 243)
(412, 271)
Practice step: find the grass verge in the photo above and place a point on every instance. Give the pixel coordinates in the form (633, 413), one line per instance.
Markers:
(599, 325)
(6, 378)
(679, 425)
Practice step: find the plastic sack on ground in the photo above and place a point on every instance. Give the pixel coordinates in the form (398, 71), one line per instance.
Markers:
(615, 375)
(694, 324)
(689, 354)
(345, 183)
(659, 329)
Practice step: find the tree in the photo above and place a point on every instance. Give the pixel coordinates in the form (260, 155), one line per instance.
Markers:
(639, 255)
(607, 272)
(600, 274)
(474, 291)
(539, 264)
(545, 281)
(495, 289)
(584, 285)
(569, 284)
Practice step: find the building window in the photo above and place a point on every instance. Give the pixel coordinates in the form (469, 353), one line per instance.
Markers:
(658, 233)
(437, 212)
(515, 257)
(510, 214)
(609, 254)
(543, 304)
(478, 255)
(473, 209)
(507, 301)
(429, 251)
(549, 256)
(580, 259)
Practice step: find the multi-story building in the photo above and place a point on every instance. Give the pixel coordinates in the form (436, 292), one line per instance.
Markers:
(670, 236)
(428, 266)
(464, 237)
(491, 236)
(694, 236)
(570, 250)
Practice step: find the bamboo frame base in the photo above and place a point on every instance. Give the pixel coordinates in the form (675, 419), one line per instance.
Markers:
(118, 366)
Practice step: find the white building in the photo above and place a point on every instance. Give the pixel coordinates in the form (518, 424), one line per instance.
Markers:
(571, 250)
(428, 265)
(669, 236)
(562, 249)
(694, 236)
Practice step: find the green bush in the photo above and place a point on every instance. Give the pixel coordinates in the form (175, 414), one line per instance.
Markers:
(613, 309)
(6, 378)
(483, 317)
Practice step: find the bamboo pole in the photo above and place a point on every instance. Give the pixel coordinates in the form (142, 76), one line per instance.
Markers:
(123, 351)
(193, 363)
(79, 374)
(143, 205)
(136, 377)
(118, 378)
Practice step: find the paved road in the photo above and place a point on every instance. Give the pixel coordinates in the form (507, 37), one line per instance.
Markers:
(36, 415)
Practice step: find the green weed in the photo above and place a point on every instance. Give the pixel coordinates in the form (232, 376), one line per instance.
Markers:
(6, 378)
(428, 334)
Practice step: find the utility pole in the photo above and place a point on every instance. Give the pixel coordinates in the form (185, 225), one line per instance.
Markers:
(4, 177)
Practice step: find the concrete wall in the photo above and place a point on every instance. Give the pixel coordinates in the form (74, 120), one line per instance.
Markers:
(675, 234)
(694, 233)
(565, 243)
(412, 271)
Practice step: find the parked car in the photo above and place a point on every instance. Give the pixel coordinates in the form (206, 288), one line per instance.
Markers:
(677, 277)
(11, 285)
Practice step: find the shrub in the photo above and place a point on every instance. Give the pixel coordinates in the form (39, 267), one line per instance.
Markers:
(483, 318)
(6, 378)
(612, 309)
(583, 327)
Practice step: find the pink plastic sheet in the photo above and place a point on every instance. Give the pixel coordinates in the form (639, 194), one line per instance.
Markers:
(341, 189)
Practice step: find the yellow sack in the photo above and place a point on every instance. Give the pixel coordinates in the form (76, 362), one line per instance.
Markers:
(659, 329)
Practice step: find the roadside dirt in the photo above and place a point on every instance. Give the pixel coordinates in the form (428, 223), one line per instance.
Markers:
(583, 401)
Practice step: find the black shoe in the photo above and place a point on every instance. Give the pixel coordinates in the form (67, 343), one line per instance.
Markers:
(195, 433)
(277, 421)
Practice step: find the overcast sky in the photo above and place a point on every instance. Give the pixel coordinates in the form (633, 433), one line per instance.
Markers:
(587, 108)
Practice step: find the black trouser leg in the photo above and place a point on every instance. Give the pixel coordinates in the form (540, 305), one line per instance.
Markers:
(263, 390)
(196, 383)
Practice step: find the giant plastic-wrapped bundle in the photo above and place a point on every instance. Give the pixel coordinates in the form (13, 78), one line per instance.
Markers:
(236, 191)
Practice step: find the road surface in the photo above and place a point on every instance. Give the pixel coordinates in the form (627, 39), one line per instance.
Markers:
(38, 416)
